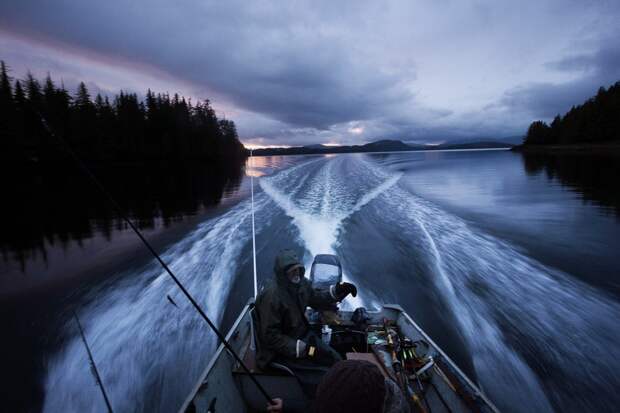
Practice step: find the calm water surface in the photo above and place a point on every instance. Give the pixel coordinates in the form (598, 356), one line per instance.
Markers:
(509, 262)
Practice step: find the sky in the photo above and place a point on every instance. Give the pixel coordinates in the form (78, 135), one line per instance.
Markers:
(337, 72)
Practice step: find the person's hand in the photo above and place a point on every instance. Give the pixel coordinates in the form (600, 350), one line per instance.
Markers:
(313, 350)
(276, 407)
(309, 349)
(301, 349)
(344, 289)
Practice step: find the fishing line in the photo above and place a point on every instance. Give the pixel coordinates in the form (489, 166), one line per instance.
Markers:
(135, 229)
(253, 231)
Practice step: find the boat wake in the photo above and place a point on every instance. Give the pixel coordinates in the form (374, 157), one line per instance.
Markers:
(148, 351)
(320, 203)
(538, 339)
(525, 322)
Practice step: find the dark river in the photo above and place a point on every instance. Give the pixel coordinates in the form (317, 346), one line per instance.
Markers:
(510, 263)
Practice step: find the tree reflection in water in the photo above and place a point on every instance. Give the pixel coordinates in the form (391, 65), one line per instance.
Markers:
(593, 176)
(48, 206)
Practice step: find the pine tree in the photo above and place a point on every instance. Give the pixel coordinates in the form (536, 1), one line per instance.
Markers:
(83, 124)
(82, 98)
(19, 99)
(163, 126)
(7, 132)
(33, 92)
(538, 133)
(596, 120)
(151, 104)
(49, 89)
(19, 95)
(6, 91)
(98, 102)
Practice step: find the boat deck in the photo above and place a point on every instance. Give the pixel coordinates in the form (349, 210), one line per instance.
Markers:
(389, 338)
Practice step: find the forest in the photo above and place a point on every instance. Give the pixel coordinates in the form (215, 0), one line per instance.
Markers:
(595, 121)
(39, 119)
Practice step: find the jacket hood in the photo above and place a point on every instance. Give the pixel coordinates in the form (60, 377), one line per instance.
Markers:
(284, 260)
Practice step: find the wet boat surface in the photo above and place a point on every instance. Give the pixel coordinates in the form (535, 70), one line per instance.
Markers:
(389, 337)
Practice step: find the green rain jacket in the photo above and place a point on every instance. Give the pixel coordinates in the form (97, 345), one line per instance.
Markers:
(280, 311)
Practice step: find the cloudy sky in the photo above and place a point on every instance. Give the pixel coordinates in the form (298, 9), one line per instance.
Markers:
(292, 73)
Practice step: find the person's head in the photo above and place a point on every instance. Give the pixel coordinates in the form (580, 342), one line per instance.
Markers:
(295, 272)
(288, 267)
(351, 386)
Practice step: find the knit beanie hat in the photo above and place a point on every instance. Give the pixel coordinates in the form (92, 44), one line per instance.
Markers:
(354, 386)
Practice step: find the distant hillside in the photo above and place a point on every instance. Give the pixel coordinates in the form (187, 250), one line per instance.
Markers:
(476, 145)
(384, 145)
(510, 140)
(594, 122)
(513, 140)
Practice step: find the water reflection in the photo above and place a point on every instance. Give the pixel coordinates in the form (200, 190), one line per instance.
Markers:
(256, 166)
(594, 177)
(58, 206)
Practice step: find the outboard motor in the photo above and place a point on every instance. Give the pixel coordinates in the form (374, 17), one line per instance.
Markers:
(326, 271)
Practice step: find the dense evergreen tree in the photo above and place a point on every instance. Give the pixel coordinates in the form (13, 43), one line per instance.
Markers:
(7, 108)
(161, 128)
(16, 127)
(538, 132)
(595, 121)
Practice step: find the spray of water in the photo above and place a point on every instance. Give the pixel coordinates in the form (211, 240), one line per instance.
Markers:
(522, 320)
(320, 204)
(150, 352)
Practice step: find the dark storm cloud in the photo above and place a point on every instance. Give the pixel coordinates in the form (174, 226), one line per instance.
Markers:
(294, 72)
(252, 55)
(592, 71)
(605, 62)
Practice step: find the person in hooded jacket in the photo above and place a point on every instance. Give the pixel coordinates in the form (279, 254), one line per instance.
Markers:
(358, 386)
(283, 331)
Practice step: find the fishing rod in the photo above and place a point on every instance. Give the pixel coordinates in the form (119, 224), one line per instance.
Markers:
(174, 278)
(92, 364)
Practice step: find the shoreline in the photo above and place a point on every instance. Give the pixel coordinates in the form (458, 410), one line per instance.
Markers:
(375, 152)
(611, 148)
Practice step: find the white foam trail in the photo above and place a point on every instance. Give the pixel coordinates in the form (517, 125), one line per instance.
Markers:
(319, 217)
(149, 352)
(485, 352)
(486, 281)
(508, 306)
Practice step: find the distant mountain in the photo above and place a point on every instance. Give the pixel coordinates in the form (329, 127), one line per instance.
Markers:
(384, 145)
(474, 145)
(515, 140)
(512, 140)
